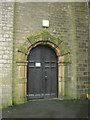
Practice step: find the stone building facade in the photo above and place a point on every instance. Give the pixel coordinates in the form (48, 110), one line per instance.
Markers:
(68, 34)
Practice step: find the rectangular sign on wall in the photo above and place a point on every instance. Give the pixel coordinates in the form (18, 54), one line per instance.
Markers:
(38, 64)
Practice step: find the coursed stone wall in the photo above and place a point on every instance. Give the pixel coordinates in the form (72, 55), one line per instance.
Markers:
(68, 22)
(6, 52)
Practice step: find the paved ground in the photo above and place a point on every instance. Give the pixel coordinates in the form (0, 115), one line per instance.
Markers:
(48, 109)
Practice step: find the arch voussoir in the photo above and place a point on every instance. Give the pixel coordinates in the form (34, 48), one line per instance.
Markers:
(44, 38)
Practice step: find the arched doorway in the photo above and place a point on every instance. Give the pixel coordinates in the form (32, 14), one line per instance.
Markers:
(63, 56)
(42, 73)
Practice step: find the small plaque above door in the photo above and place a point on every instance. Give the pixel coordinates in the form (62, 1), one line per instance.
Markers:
(38, 64)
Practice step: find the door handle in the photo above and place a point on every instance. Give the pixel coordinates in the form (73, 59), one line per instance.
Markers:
(45, 77)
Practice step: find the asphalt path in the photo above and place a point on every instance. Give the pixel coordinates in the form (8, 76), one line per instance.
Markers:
(48, 109)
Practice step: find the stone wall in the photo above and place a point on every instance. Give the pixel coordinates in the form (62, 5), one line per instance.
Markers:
(68, 21)
(28, 21)
(6, 52)
(82, 39)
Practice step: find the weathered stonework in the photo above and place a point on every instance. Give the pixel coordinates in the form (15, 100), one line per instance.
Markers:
(82, 35)
(67, 34)
(6, 52)
(89, 53)
(43, 37)
(55, 43)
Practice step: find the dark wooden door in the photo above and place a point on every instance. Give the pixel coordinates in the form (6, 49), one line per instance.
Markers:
(42, 71)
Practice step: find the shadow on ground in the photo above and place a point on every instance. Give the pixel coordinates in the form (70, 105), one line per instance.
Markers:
(48, 109)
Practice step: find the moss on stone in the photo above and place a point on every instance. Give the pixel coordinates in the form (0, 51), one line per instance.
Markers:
(34, 38)
(19, 100)
(43, 36)
(23, 49)
(6, 104)
(67, 58)
(21, 61)
(26, 43)
(64, 48)
(59, 40)
(31, 39)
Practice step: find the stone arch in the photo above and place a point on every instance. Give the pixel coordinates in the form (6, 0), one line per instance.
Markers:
(50, 44)
(55, 43)
(44, 38)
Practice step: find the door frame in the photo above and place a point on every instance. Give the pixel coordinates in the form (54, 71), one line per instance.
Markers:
(22, 68)
(62, 52)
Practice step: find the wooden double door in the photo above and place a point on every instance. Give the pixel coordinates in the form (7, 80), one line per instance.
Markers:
(42, 73)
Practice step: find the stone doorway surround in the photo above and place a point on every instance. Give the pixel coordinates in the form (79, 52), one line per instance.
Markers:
(59, 47)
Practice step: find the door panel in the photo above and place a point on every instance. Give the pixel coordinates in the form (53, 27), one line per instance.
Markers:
(42, 73)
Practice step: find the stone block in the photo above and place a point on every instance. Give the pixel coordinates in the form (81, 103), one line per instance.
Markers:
(22, 90)
(7, 57)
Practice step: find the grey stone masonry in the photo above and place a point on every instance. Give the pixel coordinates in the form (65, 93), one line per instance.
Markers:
(68, 21)
(6, 49)
(82, 38)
